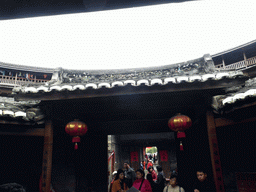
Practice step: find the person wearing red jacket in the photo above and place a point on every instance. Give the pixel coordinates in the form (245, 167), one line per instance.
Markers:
(144, 165)
(142, 184)
(153, 173)
(150, 164)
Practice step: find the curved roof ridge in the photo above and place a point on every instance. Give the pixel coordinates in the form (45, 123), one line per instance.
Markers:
(26, 68)
(234, 48)
(96, 71)
(130, 70)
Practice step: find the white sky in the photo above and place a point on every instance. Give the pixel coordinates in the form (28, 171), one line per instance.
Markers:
(125, 38)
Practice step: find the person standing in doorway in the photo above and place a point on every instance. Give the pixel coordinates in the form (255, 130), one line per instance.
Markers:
(119, 185)
(142, 184)
(141, 165)
(129, 174)
(150, 164)
(144, 165)
(160, 182)
(152, 183)
(146, 161)
(150, 156)
(153, 173)
(113, 179)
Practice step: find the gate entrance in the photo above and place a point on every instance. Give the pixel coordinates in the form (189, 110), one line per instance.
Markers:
(134, 148)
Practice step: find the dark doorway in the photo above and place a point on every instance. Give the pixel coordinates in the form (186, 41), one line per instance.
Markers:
(21, 161)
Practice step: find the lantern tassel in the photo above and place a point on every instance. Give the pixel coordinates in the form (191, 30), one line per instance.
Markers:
(181, 146)
(181, 134)
(76, 146)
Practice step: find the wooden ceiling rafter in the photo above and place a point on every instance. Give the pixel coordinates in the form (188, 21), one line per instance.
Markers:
(223, 122)
(28, 132)
(15, 122)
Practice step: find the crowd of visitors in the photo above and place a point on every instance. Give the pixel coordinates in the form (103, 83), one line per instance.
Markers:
(128, 180)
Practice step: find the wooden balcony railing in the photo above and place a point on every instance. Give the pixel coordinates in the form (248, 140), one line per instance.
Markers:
(18, 81)
(238, 65)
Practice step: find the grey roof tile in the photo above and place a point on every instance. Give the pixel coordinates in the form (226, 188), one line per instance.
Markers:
(27, 111)
(241, 95)
(197, 71)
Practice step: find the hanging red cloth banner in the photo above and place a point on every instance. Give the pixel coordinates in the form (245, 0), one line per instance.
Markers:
(134, 156)
(163, 155)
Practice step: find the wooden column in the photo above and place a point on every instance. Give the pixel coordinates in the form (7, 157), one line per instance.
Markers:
(245, 59)
(47, 157)
(223, 63)
(244, 55)
(215, 155)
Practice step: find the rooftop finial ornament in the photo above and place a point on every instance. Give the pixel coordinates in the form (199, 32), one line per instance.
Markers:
(76, 129)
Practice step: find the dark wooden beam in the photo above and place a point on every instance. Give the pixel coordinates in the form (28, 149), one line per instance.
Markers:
(214, 150)
(47, 157)
(222, 122)
(246, 105)
(15, 122)
(27, 132)
(212, 85)
(4, 91)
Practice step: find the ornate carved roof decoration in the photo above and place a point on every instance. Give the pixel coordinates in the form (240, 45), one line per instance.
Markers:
(240, 96)
(20, 110)
(198, 70)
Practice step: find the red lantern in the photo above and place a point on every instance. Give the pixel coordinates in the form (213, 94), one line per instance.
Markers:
(179, 124)
(76, 129)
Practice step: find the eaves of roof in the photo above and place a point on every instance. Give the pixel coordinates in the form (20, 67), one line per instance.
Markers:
(26, 111)
(25, 68)
(234, 49)
(168, 81)
(243, 96)
(199, 74)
